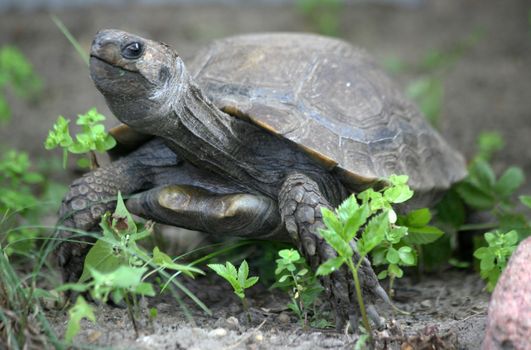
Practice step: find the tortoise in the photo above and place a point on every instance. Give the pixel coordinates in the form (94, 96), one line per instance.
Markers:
(253, 137)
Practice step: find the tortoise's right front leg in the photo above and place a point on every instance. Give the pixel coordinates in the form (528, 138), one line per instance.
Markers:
(88, 198)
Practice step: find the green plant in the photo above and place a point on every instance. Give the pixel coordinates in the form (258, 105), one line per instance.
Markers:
(377, 221)
(17, 73)
(494, 257)
(18, 203)
(92, 138)
(23, 322)
(483, 191)
(76, 313)
(325, 14)
(293, 273)
(238, 279)
(116, 267)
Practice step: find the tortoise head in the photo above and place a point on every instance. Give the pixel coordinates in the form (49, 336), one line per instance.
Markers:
(139, 78)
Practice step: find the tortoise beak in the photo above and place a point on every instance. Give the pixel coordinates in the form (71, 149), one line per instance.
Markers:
(106, 46)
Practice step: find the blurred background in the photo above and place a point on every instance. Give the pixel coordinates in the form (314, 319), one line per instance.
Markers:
(466, 62)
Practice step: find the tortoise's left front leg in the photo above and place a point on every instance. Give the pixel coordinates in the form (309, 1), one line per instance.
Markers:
(300, 203)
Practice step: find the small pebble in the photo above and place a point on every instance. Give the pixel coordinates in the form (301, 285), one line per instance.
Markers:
(233, 323)
(218, 332)
(284, 317)
(259, 337)
(426, 304)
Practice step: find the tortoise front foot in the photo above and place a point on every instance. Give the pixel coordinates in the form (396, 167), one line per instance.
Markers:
(88, 198)
(300, 202)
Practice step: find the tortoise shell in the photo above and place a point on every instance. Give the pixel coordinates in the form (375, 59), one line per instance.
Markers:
(332, 100)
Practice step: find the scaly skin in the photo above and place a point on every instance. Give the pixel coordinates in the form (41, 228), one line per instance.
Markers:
(87, 200)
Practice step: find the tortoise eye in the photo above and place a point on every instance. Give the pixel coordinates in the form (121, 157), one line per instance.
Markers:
(132, 50)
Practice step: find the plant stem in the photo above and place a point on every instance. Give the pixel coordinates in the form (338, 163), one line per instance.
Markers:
(361, 304)
(130, 312)
(93, 160)
(245, 305)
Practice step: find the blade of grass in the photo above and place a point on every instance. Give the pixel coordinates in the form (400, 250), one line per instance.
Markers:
(71, 39)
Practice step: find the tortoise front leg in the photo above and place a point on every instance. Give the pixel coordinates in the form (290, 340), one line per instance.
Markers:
(195, 208)
(88, 198)
(300, 202)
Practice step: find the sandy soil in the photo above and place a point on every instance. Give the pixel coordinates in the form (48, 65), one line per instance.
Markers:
(488, 89)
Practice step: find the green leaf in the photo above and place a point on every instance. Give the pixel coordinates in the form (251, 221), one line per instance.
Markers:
(250, 282)
(334, 240)
(487, 262)
(79, 311)
(396, 271)
(475, 197)
(355, 221)
(373, 234)
(126, 276)
(451, 209)
(122, 220)
(418, 218)
(103, 258)
(382, 275)
(347, 209)
(398, 194)
(526, 200)
(165, 261)
(398, 179)
(219, 269)
(396, 233)
(145, 288)
(511, 237)
(392, 256)
(331, 221)
(243, 273)
(423, 235)
(76, 287)
(330, 266)
(407, 255)
(481, 172)
(290, 255)
(509, 182)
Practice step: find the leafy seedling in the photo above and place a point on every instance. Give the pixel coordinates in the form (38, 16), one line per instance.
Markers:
(293, 273)
(93, 137)
(238, 279)
(79, 311)
(494, 257)
(372, 214)
(115, 268)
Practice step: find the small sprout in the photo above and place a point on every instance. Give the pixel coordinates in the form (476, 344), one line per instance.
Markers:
(79, 311)
(383, 234)
(292, 273)
(238, 279)
(93, 137)
(494, 257)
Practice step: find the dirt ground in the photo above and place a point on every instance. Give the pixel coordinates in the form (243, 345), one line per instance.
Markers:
(488, 89)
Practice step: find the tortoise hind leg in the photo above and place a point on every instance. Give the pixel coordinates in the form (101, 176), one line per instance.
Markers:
(192, 207)
(300, 203)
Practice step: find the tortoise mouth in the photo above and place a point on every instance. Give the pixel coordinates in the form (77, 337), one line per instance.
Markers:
(95, 60)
